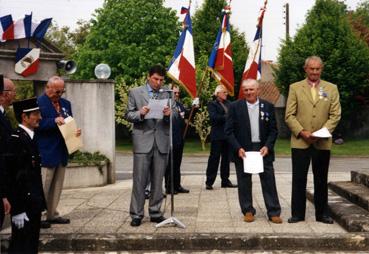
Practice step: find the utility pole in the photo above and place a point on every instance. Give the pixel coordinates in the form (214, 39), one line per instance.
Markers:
(287, 19)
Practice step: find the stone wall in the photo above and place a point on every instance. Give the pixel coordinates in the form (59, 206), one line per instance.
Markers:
(94, 111)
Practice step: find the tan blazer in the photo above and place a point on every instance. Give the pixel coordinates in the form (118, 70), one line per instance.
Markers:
(302, 113)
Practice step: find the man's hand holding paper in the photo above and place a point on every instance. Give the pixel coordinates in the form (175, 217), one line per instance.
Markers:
(71, 134)
(157, 109)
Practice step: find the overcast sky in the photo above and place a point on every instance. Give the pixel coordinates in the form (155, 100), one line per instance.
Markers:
(244, 15)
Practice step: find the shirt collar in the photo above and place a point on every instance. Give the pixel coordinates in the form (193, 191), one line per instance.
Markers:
(30, 132)
(311, 83)
(2, 109)
(253, 105)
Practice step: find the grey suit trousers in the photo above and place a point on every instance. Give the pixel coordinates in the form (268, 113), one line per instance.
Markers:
(154, 164)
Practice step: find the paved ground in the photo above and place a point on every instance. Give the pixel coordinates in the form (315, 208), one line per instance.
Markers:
(105, 210)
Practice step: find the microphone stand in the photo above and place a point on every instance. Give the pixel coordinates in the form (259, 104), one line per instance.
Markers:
(171, 220)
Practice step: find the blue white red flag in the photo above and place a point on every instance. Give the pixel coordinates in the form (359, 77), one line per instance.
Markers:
(40, 31)
(220, 60)
(22, 28)
(182, 66)
(27, 61)
(253, 64)
(7, 28)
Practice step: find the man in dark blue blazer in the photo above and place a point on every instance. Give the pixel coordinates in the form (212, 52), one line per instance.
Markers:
(54, 153)
(7, 96)
(251, 126)
(218, 110)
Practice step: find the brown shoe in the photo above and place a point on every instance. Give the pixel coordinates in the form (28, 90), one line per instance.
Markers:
(276, 219)
(249, 217)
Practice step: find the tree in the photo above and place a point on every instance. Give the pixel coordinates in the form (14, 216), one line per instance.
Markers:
(328, 34)
(130, 36)
(66, 40)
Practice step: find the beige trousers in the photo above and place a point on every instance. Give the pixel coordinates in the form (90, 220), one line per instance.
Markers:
(52, 180)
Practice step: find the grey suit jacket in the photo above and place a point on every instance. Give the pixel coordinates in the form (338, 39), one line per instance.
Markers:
(146, 131)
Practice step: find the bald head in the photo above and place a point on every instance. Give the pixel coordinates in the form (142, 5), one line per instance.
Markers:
(8, 95)
(55, 88)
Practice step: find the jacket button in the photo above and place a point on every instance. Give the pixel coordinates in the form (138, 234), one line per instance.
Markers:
(29, 194)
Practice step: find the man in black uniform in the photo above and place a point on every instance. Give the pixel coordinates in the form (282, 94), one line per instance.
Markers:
(7, 95)
(25, 192)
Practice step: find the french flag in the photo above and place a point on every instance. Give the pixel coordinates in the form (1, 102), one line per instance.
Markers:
(182, 66)
(7, 28)
(220, 60)
(253, 64)
(23, 27)
(41, 28)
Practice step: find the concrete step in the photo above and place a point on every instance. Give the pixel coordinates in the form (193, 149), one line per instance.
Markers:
(354, 192)
(89, 243)
(360, 177)
(350, 216)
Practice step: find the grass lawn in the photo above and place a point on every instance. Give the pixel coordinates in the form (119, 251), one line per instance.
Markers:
(353, 147)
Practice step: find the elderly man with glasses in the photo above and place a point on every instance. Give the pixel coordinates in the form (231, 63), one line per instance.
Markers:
(54, 153)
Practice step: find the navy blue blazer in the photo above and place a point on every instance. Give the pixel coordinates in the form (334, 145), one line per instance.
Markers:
(49, 139)
(22, 161)
(238, 129)
(217, 117)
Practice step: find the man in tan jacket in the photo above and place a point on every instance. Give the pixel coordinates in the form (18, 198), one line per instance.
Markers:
(312, 104)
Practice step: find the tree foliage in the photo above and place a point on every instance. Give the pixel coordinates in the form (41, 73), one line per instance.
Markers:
(130, 36)
(68, 40)
(328, 34)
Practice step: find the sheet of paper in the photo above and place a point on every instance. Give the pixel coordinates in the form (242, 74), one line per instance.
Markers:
(68, 131)
(322, 133)
(156, 108)
(253, 163)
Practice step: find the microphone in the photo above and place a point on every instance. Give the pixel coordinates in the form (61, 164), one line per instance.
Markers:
(161, 90)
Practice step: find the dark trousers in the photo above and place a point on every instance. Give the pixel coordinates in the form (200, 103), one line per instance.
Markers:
(300, 166)
(177, 161)
(268, 186)
(25, 240)
(219, 149)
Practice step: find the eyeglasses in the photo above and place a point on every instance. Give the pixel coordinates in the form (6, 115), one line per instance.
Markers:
(60, 91)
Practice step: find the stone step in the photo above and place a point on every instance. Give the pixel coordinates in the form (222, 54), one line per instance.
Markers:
(351, 217)
(360, 177)
(354, 192)
(284, 242)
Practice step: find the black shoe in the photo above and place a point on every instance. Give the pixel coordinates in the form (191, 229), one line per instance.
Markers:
(45, 224)
(175, 192)
(325, 219)
(209, 187)
(294, 219)
(228, 184)
(157, 219)
(182, 190)
(59, 220)
(135, 222)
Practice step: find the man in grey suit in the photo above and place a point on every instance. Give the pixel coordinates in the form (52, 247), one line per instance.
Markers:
(150, 146)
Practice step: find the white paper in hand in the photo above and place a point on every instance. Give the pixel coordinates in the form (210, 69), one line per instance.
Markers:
(322, 133)
(253, 163)
(156, 108)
